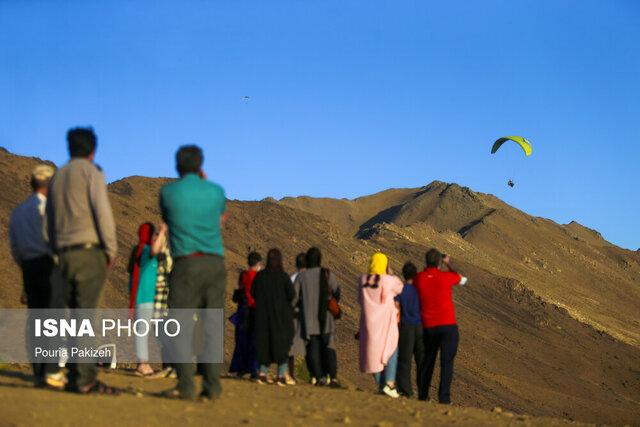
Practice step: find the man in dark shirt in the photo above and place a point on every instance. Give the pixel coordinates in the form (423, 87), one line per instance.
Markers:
(410, 344)
(194, 209)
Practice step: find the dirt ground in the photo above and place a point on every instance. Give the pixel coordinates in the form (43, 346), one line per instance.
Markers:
(242, 402)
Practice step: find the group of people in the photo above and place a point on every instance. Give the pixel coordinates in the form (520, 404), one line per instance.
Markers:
(411, 320)
(402, 321)
(280, 317)
(63, 237)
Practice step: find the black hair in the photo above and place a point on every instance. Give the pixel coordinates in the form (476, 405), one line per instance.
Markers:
(152, 229)
(189, 159)
(433, 258)
(253, 258)
(409, 271)
(274, 260)
(376, 281)
(301, 261)
(37, 184)
(81, 142)
(313, 257)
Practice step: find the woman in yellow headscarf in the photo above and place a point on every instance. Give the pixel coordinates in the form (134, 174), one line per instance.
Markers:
(379, 323)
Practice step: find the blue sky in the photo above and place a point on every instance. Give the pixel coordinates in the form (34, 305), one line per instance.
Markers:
(347, 97)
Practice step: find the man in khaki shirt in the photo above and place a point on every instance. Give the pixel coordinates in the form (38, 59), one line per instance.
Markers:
(83, 236)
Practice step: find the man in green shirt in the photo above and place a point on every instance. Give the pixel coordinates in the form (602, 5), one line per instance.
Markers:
(194, 209)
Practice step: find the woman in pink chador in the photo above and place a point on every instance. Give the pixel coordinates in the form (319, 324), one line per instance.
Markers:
(379, 324)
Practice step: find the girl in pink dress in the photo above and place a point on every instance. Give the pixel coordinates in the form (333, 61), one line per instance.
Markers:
(379, 324)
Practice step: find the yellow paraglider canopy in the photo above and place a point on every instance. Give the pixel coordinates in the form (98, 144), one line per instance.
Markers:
(521, 141)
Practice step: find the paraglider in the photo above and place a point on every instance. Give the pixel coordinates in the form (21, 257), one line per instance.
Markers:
(521, 141)
(246, 98)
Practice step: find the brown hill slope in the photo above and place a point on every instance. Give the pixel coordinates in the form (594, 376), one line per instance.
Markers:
(568, 265)
(518, 351)
(350, 215)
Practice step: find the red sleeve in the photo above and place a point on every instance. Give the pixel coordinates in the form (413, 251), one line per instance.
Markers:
(450, 278)
(247, 281)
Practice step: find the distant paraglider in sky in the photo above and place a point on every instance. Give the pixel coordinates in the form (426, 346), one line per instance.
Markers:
(521, 141)
(246, 98)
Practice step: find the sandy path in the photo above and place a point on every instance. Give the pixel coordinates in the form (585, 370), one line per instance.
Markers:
(242, 403)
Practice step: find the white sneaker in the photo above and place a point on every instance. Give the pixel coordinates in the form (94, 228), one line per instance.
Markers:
(391, 392)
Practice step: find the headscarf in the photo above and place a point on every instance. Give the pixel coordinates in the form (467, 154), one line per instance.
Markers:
(145, 235)
(378, 264)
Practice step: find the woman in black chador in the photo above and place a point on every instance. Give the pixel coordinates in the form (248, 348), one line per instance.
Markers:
(274, 294)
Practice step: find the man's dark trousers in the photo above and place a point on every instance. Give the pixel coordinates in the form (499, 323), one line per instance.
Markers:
(410, 346)
(443, 339)
(36, 275)
(198, 282)
(77, 282)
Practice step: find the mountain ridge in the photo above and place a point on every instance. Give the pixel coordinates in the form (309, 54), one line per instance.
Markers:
(484, 220)
(537, 312)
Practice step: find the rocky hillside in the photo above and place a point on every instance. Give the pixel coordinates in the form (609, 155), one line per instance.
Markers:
(569, 265)
(549, 322)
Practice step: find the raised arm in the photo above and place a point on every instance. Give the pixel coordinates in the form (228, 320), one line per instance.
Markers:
(160, 240)
(456, 278)
(446, 262)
